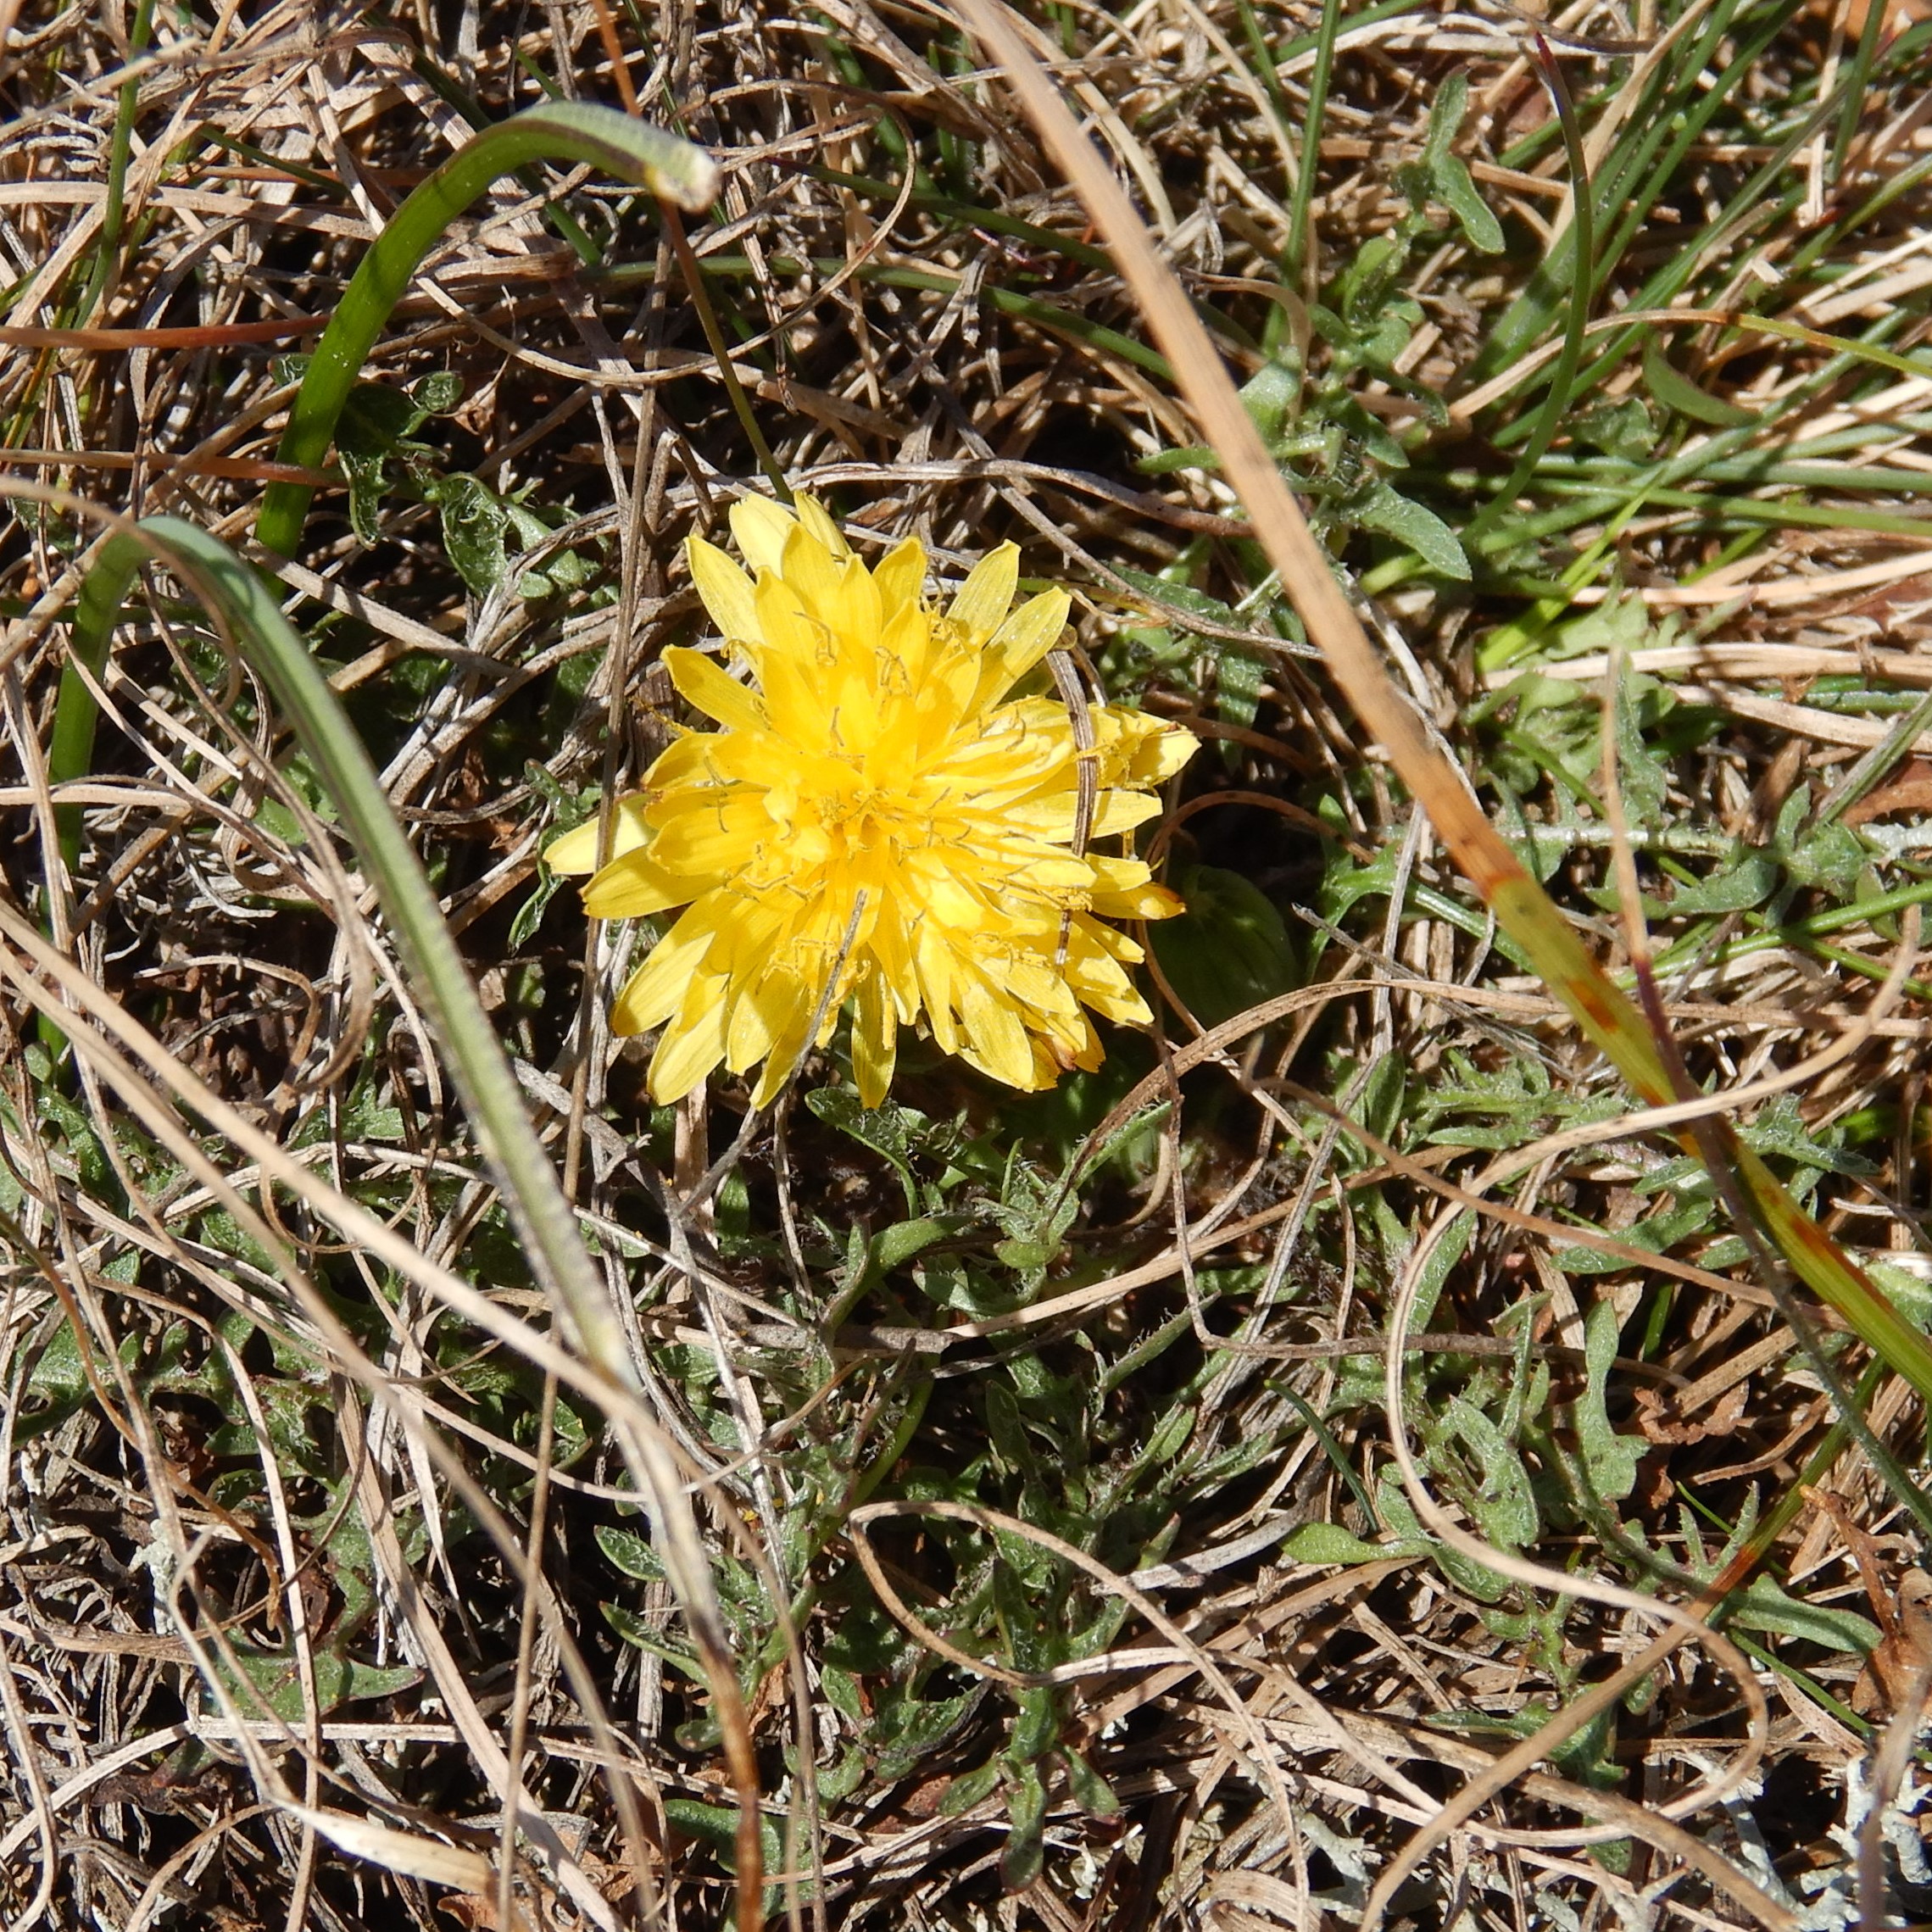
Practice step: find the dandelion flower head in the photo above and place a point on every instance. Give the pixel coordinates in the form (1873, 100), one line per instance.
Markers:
(877, 822)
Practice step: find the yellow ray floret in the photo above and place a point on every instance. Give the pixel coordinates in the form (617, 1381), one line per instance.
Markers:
(877, 822)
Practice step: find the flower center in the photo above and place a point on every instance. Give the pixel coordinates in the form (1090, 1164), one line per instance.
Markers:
(872, 819)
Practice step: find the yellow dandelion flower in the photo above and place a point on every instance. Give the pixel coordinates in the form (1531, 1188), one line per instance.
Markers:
(877, 822)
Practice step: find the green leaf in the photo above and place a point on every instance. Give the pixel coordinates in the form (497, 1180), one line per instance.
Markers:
(716, 1826)
(645, 1633)
(530, 914)
(1380, 1108)
(1036, 1724)
(1363, 288)
(1639, 772)
(274, 1678)
(970, 1788)
(474, 521)
(1170, 1436)
(1588, 1757)
(1394, 1507)
(1448, 179)
(1622, 428)
(842, 1779)
(842, 1693)
(1240, 678)
(57, 1386)
(894, 1246)
(1025, 1847)
(368, 479)
(438, 393)
(1381, 508)
(377, 420)
(1091, 1791)
(1007, 1433)
(910, 1731)
(1781, 1130)
(58, 1371)
(1748, 880)
(1436, 1270)
(1610, 1459)
(362, 1680)
(1269, 397)
(1828, 856)
(1189, 456)
(1230, 950)
(1906, 1291)
(1329, 1543)
(1456, 192)
(367, 1118)
(1026, 1256)
(1500, 1497)
(891, 1129)
(1659, 1232)
(1763, 1605)
(1180, 597)
(1677, 392)
(630, 1552)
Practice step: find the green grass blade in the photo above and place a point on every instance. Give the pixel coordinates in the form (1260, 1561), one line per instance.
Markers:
(113, 211)
(559, 130)
(1299, 269)
(76, 713)
(559, 219)
(1556, 399)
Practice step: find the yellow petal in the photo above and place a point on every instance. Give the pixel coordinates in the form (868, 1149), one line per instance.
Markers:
(999, 1041)
(788, 631)
(1124, 889)
(724, 589)
(875, 1039)
(692, 1045)
(709, 835)
(657, 989)
(1142, 750)
(685, 761)
(1036, 984)
(901, 576)
(1098, 978)
(1020, 644)
(1056, 816)
(839, 593)
(786, 1051)
(890, 950)
(905, 643)
(1087, 1055)
(705, 683)
(762, 527)
(948, 901)
(758, 1017)
(630, 887)
(987, 595)
(937, 983)
(795, 697)
(576, 850)
(812, 516)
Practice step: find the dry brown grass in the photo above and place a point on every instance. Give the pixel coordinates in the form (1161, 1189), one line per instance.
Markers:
(274, 1646)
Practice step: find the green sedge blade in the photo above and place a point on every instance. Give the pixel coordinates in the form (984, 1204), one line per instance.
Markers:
(559, 130)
